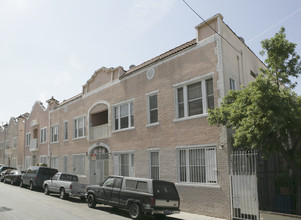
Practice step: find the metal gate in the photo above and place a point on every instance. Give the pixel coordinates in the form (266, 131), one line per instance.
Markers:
(244, 185)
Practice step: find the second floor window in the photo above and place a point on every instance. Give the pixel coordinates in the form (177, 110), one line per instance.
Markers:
(28, 137)
(55, 133)
(79, 127)
(194, 98)
(152, 109)
(66, 130)
(43, 135)
(124, 116)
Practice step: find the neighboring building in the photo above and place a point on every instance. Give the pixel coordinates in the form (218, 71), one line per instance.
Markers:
(36, 147)
(12, 142)
(151, 121)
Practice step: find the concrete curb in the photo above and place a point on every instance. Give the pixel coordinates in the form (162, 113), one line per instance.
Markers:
(190, 216)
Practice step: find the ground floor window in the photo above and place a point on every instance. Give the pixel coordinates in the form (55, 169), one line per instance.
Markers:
(43, 159)
(154, 165)
(197, 165)
(54, 162)
(124, 164)
(79, 164)
(65, 158)
(27, 161)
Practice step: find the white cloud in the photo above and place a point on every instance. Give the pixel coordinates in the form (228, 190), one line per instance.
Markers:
(145, 13)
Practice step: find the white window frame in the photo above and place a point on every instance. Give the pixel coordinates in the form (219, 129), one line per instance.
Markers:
(28, 139)
(76, 128)
(66, 130)
(204, 97)
(65, 163)
(149, 123)
(232, 84)
(150, 165)
(7, 144)
(77, 164)
(15, 143)
(43, 157)
(54, 162)
(210, 165)
(117, 157)
(131, 113)
(54, 133)
(43, 135)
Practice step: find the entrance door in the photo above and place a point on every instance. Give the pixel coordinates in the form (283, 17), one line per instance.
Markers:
(99, 169)
(244, 185)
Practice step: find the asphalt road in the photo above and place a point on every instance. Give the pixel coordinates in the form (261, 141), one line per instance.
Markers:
(22, 204)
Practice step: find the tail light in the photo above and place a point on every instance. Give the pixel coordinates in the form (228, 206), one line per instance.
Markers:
(153, 201)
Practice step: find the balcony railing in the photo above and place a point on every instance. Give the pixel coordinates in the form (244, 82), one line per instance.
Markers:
(33, 145)
(98, 132)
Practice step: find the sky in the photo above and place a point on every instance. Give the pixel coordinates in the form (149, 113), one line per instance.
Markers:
(52, 47)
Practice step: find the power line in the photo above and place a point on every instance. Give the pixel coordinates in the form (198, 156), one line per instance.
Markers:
(210, 26)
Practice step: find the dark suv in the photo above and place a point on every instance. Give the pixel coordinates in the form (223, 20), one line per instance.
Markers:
(137, 195)
(34, 176)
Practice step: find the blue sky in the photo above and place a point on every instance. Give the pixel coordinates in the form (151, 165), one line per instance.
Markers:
(52, 47)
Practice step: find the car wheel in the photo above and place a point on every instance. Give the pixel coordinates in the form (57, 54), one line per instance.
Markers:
(12, 182)
(46, 190)
(62, 193)
(31, 186)
(91, 201)
(134, 211)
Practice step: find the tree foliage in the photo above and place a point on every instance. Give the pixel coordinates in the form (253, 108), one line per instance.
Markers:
(266, 114)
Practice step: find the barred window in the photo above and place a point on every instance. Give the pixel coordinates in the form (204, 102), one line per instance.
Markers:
(197, 165)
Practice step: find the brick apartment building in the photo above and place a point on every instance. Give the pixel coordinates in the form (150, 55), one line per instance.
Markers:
(150, 121)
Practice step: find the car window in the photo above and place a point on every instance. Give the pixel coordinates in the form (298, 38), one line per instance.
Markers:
(109, 182)
(164, 188)
(117, 183)
(142, 186)
(55, 177)
(130, 184)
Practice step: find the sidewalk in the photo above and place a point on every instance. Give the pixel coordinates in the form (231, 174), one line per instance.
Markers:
(190, 216)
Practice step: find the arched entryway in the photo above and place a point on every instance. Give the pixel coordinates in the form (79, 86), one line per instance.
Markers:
(99, 155)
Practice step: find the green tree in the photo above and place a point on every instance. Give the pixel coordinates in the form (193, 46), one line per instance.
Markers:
(266, 115)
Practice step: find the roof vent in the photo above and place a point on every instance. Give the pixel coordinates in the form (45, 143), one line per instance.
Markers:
(242, 39)
(132, 66)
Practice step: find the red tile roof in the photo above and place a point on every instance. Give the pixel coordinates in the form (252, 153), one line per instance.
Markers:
(161, 57)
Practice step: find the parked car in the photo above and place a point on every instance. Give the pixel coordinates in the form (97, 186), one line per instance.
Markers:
(66, 185)
(13, 177)
(4, 170)
(35, 176)
(137, 195)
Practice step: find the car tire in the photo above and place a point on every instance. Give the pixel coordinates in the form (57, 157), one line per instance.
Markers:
(31, 187)
(91, 201)
(63, 193)
(134, 211)
(46, 190)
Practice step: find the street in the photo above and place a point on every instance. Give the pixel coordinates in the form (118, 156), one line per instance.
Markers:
(20, 203)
